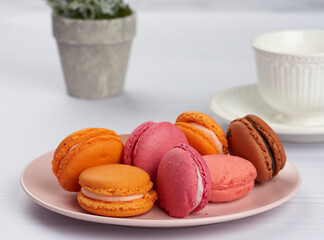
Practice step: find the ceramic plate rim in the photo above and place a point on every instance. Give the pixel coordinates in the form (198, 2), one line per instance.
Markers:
(154, 223)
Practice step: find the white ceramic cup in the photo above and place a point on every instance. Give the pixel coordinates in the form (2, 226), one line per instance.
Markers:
(290, 69)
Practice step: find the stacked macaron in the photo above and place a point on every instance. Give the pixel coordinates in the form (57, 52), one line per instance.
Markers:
(184, 165)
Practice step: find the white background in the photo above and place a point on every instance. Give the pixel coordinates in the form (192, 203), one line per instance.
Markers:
(184, 53)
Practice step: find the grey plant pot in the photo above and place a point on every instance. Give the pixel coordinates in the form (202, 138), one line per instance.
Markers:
(94, 54)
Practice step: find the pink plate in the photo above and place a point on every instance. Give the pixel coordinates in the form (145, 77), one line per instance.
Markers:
(41, 185)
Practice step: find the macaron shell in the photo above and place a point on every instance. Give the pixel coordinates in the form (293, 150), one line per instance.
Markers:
(132, 141)
(273, 140)
(197, 139)
(115, 180)
(244, 141)
(177, 183)
(232, 177)
(231, 194)
(74, 139)
(206, 121)
(118, 209)
(204, 173)
(92, 152)
(153, 144)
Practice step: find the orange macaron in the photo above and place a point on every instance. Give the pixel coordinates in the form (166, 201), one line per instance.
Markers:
(202, 132)
(82, 149)
(116, 190)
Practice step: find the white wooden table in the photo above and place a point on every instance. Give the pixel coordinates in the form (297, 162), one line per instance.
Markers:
(179, 61)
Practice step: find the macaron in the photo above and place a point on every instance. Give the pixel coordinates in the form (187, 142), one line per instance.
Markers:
(253, 139)
(202, 132)
(148, 143)
(232, 177)
(183, 181)
(116, 190)
(82, 149)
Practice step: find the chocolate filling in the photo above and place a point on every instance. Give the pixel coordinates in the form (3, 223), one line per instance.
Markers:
(273, 161)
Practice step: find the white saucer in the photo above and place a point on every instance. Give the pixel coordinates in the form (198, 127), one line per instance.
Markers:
(239, 101)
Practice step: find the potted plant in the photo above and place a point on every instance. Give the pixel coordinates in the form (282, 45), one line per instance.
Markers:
(94, 39)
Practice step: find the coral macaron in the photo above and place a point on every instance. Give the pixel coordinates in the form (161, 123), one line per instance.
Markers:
(82, 149)
(232, 177)
(149, 142)
(253, 139)
(202, 132)
(116, 190)
(183, 181)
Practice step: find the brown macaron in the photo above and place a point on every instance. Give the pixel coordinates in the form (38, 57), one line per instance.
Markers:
(253, 139)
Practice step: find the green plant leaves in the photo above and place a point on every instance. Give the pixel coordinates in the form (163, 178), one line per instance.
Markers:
(90, 9)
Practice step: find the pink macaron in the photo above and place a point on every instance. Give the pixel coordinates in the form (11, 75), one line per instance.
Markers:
(183, 181)
(149, 142)
(232, 177)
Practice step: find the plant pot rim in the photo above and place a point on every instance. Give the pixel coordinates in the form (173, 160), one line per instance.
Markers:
(55, 15)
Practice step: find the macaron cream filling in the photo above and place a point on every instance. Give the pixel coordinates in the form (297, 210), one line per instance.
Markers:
(268, 146)
(70, 149)
(111, 198)
(211, 135)
(200, 190)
